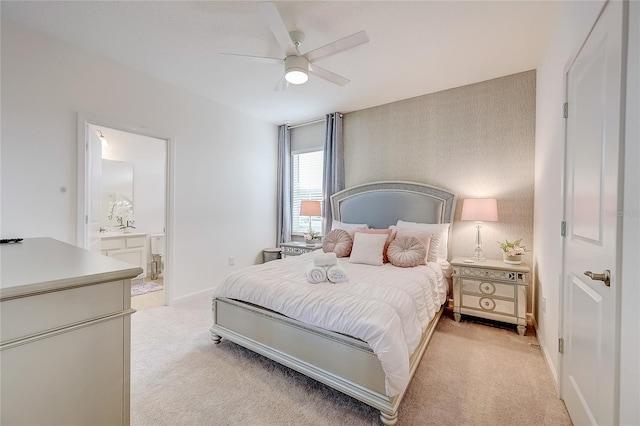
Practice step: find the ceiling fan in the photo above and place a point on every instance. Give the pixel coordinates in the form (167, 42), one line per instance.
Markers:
(297, 66)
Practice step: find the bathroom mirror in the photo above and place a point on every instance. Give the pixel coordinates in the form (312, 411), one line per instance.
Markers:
(116, 184)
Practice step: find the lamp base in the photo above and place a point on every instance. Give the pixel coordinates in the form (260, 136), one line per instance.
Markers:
(478, 255)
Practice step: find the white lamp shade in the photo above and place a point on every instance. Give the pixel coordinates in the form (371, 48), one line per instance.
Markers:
(480, 209)
(310, 208)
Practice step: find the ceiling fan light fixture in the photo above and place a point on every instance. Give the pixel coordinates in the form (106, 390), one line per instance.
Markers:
(296, 68)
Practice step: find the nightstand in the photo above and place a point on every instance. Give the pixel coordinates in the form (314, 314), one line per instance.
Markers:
(297, 248)
(491, 289)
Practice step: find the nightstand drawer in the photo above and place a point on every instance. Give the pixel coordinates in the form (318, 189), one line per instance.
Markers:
(492, 274)
(488, 289)
(488, 304)
(296, 249)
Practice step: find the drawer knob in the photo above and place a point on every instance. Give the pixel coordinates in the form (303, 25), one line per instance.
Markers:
(487, 304)
(487, 288)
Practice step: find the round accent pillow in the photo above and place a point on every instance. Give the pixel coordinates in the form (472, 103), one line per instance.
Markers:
(338, 241)
(406, 252)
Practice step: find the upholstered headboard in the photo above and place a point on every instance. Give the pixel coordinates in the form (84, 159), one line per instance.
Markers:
(381, 204)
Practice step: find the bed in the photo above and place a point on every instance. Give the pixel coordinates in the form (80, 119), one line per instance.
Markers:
(327, 352)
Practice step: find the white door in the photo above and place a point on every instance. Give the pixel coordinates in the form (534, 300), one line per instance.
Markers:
(589, 364)
(94, 178)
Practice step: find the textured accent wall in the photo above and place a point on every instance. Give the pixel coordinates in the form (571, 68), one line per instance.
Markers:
(476, 140)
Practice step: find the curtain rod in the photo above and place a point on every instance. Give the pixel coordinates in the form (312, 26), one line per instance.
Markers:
(293, 126)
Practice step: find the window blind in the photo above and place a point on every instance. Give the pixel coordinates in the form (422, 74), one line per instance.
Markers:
(306, 184)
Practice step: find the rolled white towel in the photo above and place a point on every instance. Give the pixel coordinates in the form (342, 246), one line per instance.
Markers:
(336, 274)
(325, 259)
(316, 274)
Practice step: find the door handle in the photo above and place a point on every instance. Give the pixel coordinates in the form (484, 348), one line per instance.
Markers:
(605, 277)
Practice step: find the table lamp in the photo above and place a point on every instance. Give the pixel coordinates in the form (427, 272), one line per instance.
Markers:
(479, 210)
(310, 208)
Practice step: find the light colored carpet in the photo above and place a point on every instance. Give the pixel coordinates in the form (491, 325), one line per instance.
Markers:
(471, 374)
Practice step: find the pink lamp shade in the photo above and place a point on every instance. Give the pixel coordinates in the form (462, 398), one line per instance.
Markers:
(480, 209)
(310, 208)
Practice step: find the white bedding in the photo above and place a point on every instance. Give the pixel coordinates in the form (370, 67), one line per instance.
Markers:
(385, 306)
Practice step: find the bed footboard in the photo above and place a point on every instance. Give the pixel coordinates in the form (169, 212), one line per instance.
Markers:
(341, 362)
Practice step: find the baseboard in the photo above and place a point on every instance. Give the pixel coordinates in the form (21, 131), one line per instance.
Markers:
(186, 296)
(547, 358)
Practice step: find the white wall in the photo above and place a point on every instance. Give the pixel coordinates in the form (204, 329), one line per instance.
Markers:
(575, 19)
(224, 161)
(571, 29)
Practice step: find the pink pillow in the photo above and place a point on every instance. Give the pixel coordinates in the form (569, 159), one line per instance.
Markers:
(425, 239)
(406, 252)
(339, 242)
(368, 248)
(390, 236)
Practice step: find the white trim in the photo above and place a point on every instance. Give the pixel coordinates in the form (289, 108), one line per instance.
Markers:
(195, 293)
(547, 358)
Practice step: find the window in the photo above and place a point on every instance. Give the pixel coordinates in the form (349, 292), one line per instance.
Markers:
(306, 175)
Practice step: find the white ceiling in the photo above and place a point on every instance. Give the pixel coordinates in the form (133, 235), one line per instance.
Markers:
(415, 47)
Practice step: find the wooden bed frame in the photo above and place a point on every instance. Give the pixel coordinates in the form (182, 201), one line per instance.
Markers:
(341, 362)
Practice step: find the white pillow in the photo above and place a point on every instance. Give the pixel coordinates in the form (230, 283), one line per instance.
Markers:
(351, 228)
(368, 248)
(434, 228)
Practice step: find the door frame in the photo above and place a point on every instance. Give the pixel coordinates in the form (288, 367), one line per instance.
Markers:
(83, 197)
(621, 164)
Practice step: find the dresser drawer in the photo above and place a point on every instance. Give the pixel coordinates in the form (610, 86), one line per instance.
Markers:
(487, 304)
(490, 289)
(35, 314)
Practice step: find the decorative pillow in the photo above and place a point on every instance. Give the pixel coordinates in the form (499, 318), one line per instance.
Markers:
(339, 242)
(433, 228)
(434, 247)
(351, 228)
(406, 252)
(390, 236)
(423, 237)
(368, 248)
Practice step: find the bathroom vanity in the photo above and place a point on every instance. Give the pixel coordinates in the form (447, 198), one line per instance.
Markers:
(130, 248)
(65, 318)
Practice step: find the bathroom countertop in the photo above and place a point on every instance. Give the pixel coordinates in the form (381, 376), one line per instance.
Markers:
(122, 234)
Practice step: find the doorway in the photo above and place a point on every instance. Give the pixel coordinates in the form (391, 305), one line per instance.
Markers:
(125, 205)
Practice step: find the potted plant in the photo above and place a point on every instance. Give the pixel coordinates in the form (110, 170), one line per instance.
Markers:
(512, 251)
(311, 238)
(122, 212)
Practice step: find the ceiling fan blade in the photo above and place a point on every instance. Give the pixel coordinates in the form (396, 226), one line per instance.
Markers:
(338, 46)
(282, 85)
(262, 59)
(328, 75)
(276, 25)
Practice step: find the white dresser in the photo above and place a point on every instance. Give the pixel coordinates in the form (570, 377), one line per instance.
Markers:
(65, 338)
(129, 248)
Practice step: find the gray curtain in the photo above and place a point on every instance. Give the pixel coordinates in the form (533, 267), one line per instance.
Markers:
(333, 178)
(284, 185)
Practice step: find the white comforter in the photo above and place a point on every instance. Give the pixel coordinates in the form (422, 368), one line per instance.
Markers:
(385, 306)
